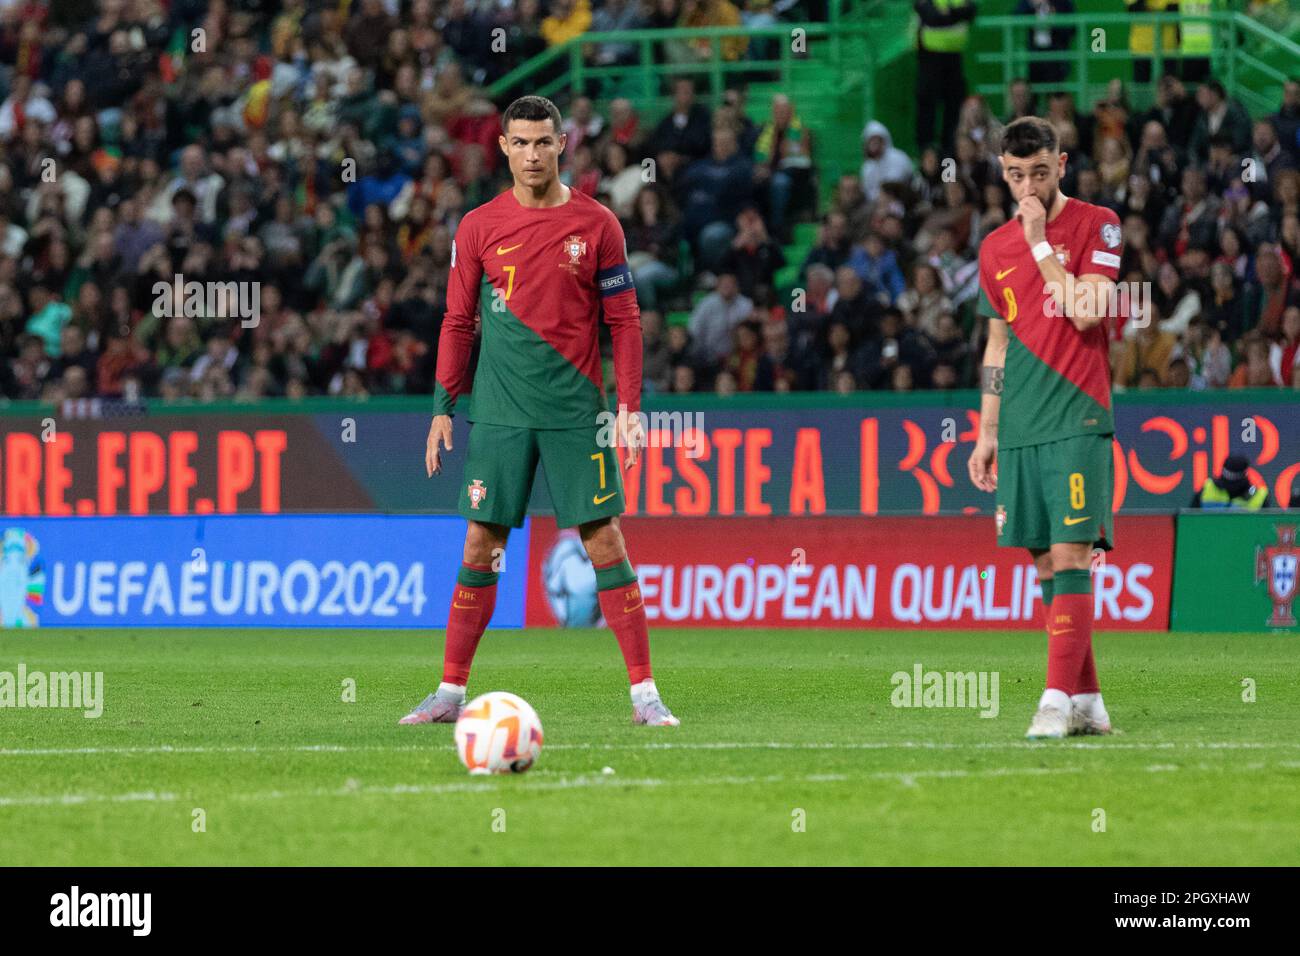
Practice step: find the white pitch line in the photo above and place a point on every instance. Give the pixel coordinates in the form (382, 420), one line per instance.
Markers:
(536, 782)
(77, 799)
(664, 745)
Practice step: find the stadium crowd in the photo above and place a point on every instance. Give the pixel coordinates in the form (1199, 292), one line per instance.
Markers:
(131, 154)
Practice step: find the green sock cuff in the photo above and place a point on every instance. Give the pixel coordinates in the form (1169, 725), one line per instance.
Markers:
(615, 576)
(1076, 581)
(473, 577)
(1049, 588)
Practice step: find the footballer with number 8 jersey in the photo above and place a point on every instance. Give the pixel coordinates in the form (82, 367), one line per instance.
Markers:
(1047, 278)
(539, 265)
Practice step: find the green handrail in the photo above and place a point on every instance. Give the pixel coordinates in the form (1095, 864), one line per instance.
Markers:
(1233, 34)
(715, 67)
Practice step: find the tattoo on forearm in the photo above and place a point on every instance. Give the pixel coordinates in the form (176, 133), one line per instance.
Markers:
(992, 380)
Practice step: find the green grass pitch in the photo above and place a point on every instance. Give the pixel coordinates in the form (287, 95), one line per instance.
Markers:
(250, 727)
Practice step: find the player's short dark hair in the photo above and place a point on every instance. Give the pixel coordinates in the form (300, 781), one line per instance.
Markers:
(1028, 135)
(531, 108)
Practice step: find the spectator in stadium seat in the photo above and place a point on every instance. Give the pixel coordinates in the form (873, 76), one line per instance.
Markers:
(783, 163)
(713, 13)
(781, 368)
(837, 356)
(624, 124)
(1178, 301)
(1286, 121)
(713, 191)
(1149, 348)
(1269, 294)
(620, 178)
(1180, 375)
(683, 380)
(1209, 361)
(1021, 100)
(882, 161)
(1194, 219)
(1269, 157)
(656, 365)
(753, 257)
(568, 19)
(1219, 113)
(832, 246)
(1224, 307)
(680, 347)
(715, 316)
(1255, 371)
(735, 111)
(653, 234)
(615, 15)
(1284, 353)
(878, 267)
(687, 129)
(923, 303)
(746, 356)
(196, 179)
(855, 306)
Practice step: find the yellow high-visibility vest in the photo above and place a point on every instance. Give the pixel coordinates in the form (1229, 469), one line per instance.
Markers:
(1198, 38)
(946, 39)
(1142, 37)
(1212, 496)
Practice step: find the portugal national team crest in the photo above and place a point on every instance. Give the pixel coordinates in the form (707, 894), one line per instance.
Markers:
(477, 492)
(1277, 565)
(1062, 253)
(575, 247)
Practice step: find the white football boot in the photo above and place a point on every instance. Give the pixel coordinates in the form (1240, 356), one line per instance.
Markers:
(1088, 715)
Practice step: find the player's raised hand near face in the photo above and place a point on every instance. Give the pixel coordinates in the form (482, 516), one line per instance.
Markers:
(439, 433)
(1033, 217)
(631, 435)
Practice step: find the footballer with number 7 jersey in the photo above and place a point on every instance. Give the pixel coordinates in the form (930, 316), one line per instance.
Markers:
(1047, 278)
(539, 265)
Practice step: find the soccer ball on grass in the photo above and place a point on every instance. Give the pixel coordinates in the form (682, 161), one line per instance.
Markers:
(498, 733)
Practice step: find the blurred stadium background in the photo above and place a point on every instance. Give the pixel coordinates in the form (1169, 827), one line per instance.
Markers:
(804, 187)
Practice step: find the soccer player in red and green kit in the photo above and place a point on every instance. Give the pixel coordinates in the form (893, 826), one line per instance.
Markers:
(1048, 278)
(539, 266)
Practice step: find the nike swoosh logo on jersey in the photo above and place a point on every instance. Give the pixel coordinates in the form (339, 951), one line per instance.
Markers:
(1064, 630)
(600, 501)
(1070, 521)
(1006, 272)
(502, 250)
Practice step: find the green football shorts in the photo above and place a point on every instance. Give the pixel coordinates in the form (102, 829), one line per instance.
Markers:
(583, 477)
(1056, 493)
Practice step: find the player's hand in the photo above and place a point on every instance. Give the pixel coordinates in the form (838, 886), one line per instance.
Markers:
(980, 465)
(631, 435)
(1033, 217)
(439, 432)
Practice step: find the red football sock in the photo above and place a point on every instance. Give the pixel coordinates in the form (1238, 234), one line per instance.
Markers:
(1069, 633)
(1088, 683)
(471, 610)
(625, 613)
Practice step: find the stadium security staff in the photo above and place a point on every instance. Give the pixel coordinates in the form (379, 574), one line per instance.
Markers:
(1232, 489)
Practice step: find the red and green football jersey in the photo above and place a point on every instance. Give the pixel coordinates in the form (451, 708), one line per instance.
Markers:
(538, 281)
(1057, 379)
